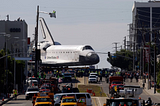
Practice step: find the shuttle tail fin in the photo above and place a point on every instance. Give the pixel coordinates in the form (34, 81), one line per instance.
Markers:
(45, 31)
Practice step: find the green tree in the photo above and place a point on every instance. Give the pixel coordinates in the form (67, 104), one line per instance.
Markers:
(122, 59)
(3, 72)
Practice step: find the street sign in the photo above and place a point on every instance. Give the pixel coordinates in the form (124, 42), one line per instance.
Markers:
(23, 58)
(113, 56)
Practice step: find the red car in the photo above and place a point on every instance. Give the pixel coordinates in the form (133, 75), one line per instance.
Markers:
(44, 89)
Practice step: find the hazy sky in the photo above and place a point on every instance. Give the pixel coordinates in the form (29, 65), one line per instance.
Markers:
(99, 23)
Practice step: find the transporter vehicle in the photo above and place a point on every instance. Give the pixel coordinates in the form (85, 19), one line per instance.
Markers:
(43, 99)
(129, 97)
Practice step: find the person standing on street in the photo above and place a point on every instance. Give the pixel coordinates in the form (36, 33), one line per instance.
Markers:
(15, 93)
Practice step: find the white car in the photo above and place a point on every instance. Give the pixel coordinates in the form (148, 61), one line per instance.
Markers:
(30, 79)
(92, 78)
(33, 83)
(31, 91)
(94, 74)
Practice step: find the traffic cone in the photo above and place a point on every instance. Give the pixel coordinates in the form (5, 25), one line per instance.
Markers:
(3, 99)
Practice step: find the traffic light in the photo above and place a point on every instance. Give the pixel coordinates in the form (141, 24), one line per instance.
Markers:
(109, 54)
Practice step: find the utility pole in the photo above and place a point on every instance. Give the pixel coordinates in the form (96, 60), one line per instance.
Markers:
(155, 63)
(36, 41)
(149, 63)
(125, 42)
(115, 46)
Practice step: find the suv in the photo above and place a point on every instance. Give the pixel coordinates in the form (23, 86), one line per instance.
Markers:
(58, 97)
(94, 74)
(31, 91)
(92, 78)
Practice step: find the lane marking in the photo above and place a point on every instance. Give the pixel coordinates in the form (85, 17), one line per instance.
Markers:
(99, 102)
(95, 103)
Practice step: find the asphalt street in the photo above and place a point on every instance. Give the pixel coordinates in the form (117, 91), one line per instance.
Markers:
(95, 100)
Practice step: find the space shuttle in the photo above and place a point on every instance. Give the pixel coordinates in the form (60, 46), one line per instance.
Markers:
(55, 54)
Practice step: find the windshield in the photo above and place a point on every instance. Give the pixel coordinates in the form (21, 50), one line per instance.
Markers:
(33, 78)
(43, 100)
(117, 82)
(92, 76)
(33, 89)
(87, 48)
(45, 88)
(56, 97)
(127, 102)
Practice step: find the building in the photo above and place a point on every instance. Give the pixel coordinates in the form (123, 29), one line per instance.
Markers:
(145, 23)
(13, 35)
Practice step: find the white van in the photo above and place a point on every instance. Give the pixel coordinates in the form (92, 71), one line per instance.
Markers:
(58, 97)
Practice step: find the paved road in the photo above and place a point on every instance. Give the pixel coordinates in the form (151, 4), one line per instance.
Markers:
(95, 100)
(144, 95)
(19, 102)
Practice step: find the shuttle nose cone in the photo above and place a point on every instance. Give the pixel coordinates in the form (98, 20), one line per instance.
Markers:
(93, 58)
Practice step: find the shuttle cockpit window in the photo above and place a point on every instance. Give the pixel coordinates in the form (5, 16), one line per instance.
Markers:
(87, 48)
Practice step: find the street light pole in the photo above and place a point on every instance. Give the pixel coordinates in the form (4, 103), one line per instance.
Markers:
(6, 35)
(155, 64)
(36, 37)
(36, 41)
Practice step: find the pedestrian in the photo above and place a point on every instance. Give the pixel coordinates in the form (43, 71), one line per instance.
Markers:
(149, 102)
(15, 93)
(131, 76)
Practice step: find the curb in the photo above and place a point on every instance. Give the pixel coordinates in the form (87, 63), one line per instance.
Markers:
(7, 100)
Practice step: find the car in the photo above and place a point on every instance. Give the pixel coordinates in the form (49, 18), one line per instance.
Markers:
(92, 78)
(30, 80)
(94, 74)
(58, 97)
(43, 101)
(31, 91)
(68, 100)
(33, 83)
(45, 89)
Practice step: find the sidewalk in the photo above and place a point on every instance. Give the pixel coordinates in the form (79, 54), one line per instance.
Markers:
(148, 91)
(6, 99)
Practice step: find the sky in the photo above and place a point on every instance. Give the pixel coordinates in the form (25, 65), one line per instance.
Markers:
(99, 23)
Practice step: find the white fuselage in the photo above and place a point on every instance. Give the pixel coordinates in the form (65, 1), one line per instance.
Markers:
(68, 55)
